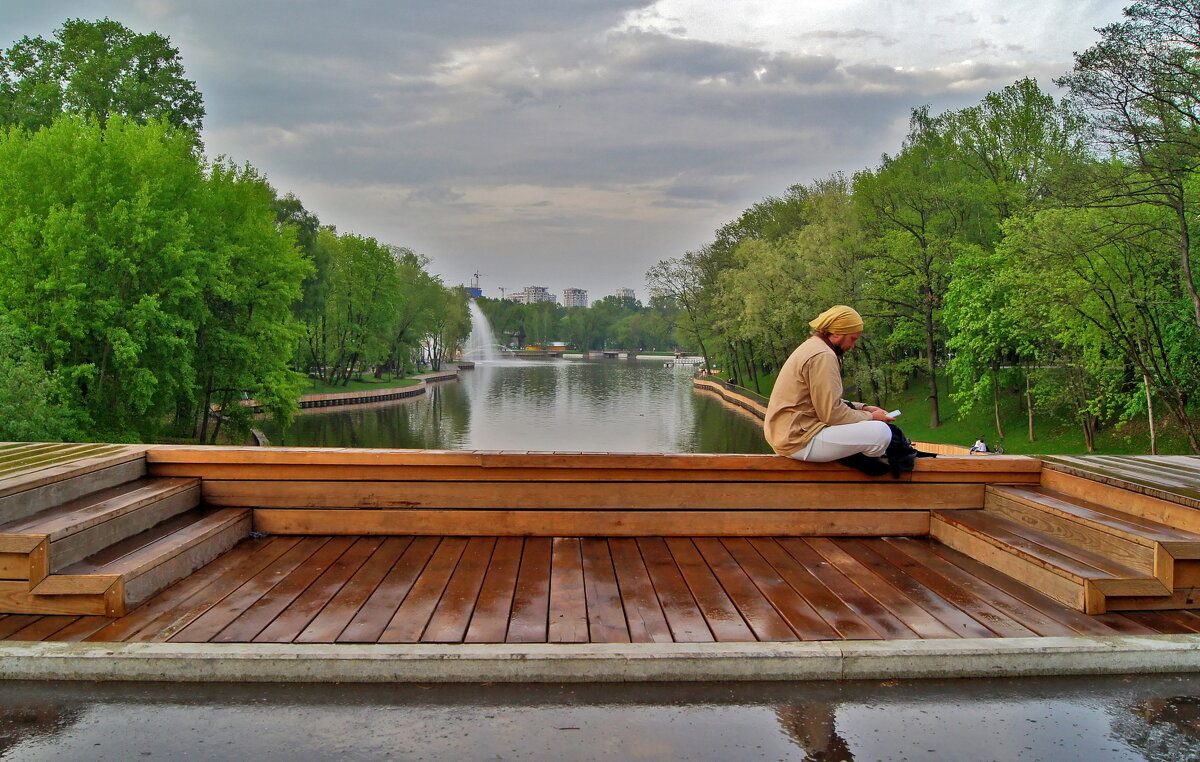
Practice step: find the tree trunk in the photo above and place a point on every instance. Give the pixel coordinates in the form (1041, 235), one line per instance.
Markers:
(1150, 415)
(752, 366)
(1089, 433)
(1029, 406)
(1185, 260)
(996, 399)
(935, 419)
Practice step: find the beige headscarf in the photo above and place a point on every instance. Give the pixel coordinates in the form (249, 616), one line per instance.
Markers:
(838, 319)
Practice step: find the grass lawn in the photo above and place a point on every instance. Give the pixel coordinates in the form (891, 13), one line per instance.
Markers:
(316, 387)
(1054, 435)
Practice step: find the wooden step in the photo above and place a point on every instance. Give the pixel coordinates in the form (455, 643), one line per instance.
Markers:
(85, 525)
(1180, 543)
(1141, 544)
(1072, 575)
(37, 477)
(1124, 498)
(112, 581)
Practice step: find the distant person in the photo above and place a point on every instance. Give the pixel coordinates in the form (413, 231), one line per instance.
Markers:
(979, 446)
(807, 419)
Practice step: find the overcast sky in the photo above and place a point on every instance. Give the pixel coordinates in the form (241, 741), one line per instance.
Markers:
(574, 143)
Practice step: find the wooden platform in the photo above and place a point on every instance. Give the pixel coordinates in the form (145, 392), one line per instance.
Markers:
(371, 546)
(575, 590)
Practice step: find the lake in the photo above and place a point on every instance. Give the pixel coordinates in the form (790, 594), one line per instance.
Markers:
(576, 405)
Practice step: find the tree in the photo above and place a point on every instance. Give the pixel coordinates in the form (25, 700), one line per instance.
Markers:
(450, 326)
(919, 208)
(148, 283)
(1107, 279)
(354, 331)
(252, 277)
(103, 265)
(97, 69)
(30, 408)
(1142, 85)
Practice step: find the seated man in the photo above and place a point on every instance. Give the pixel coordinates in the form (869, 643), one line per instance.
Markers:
(979, 446)
(807, 419)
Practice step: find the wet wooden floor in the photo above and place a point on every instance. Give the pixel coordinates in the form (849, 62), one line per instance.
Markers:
(572, 590)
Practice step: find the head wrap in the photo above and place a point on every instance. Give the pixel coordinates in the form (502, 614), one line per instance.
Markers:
(838, 319)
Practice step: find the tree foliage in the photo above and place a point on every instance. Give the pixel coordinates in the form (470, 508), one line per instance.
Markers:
(97, 69)
(147, 280)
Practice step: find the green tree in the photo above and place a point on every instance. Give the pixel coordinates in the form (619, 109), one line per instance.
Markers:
(919, 208)
(30, 408)
(354, 331)
(252, 278)
(103, 269)
(1108, 278)
(147, 281)
(98, 69)
(450, 325)
(1141, 84)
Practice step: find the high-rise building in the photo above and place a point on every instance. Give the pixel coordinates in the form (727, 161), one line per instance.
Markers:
(575, 297)
(532, 295)
(623, 293)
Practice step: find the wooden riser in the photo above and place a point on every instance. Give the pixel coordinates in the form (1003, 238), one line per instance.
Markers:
(419, 473)
(206, 547)
(1139, 556)
(603, 496)
(100, 596)
(1180, 598)
(1145, 506)
(24, 558)
(316, 521)
(79, 545)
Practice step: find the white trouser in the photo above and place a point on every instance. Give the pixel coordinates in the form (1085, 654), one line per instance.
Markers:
(834, 442)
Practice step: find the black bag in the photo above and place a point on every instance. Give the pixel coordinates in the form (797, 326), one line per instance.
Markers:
(899, 457)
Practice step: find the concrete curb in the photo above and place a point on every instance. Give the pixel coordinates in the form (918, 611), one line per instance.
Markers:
(540, 663)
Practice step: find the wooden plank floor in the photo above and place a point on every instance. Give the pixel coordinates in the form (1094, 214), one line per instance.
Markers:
(574, 590)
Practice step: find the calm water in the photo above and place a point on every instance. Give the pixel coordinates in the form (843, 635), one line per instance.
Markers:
(571, 405)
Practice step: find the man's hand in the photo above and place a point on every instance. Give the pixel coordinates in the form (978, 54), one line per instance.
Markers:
(878, 413)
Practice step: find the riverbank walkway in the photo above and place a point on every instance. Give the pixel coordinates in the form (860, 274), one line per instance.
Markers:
(108, 544)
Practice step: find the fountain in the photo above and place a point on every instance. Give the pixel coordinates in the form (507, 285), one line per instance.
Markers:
(480, 345)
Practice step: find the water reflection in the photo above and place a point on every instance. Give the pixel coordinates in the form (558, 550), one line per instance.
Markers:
(1145, 717)
(571, 405)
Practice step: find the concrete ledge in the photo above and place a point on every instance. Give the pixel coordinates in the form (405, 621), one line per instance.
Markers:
(826, 660)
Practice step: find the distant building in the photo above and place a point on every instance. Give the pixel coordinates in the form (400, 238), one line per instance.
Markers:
(623, 293)
(575, 297)
(532, 295)
(473, 290)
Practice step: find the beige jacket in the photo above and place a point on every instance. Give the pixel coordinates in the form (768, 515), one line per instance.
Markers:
(807, 397)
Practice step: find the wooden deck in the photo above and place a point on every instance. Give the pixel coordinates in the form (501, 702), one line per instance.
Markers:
(500, 547)
(576, 590)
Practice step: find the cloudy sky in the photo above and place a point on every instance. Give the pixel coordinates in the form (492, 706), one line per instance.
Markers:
(574, 143)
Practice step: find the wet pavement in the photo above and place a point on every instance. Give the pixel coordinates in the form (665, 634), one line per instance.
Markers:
(1093, 719)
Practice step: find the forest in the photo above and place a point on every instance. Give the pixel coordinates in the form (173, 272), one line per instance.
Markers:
(148, 289)
(1028, 250)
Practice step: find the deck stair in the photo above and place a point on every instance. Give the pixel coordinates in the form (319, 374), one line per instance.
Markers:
(1085, 554)
(103, 552)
